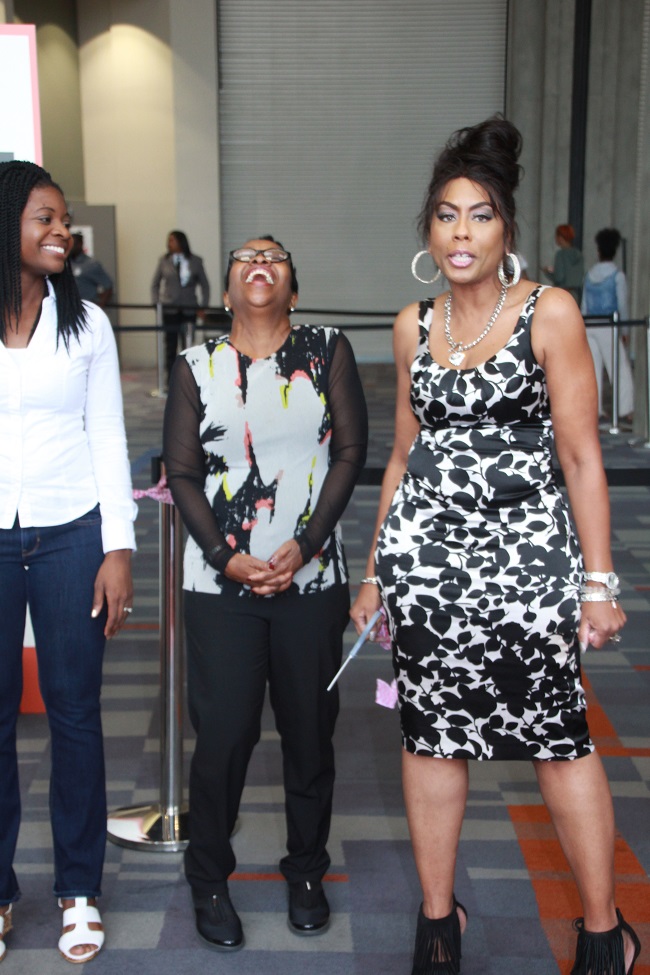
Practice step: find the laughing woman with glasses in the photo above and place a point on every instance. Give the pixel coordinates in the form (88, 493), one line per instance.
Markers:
(265, 435)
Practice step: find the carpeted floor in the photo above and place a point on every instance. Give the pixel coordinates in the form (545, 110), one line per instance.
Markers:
(511, 874)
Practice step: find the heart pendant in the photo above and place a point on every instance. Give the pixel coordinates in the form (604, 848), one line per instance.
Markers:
(456, 357)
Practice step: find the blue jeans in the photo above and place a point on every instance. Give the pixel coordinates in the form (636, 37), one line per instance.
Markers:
(53, 569)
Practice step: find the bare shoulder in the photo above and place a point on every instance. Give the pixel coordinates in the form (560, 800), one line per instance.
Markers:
(555, 307)
(405, 334)
(408, 316)
(557, 323)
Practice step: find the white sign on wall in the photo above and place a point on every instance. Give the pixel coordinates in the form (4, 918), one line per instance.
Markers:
(20, 117)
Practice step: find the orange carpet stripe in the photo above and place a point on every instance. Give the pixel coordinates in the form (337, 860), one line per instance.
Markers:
(599, 724)
(529, 814)
(554, 887)
(545, 855)
(602, 731)
(618, 751)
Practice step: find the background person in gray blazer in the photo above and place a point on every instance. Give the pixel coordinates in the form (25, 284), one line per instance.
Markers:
(178, 275)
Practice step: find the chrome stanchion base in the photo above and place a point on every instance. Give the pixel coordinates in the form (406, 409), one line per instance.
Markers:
(158, 394)
(149, 828)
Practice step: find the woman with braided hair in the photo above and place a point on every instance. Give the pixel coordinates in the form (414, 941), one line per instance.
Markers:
(66, 516)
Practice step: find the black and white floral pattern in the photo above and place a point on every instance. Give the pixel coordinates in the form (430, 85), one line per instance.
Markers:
(479, 566)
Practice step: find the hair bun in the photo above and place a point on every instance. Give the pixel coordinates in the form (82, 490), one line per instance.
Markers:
(495, 139)
(486, 154)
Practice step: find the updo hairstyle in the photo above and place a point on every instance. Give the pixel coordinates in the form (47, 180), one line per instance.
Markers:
(486, 154)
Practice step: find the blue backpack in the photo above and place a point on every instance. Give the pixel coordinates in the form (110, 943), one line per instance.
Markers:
(600, 297)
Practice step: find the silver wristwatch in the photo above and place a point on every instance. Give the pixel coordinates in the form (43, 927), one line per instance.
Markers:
(609, 579)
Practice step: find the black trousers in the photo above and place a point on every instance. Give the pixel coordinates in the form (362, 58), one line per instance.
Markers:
(178, 319)
(234, 646)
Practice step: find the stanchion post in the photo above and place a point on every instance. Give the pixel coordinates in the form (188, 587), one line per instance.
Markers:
(647, 384)
(161, 389)
(162, 827)
(615, 370)
(172, 672)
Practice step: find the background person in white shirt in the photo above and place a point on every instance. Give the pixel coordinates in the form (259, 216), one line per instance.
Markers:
(66, 515)
(604, 292)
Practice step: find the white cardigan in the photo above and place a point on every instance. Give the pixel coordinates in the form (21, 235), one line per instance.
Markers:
(62, 440)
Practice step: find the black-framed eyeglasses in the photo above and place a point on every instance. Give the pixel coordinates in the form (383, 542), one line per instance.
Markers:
(274, 255)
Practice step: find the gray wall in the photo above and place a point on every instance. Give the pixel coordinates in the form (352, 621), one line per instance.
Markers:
(617, 172)
(618, 127)
(538, 100)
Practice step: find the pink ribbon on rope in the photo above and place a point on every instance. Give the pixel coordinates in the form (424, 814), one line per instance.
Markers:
(159, 492)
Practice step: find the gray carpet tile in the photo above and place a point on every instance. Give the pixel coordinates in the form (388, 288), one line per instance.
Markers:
(373, 890)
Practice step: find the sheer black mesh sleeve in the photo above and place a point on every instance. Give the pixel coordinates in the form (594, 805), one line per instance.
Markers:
(185, 465)
(348, 448)
(185, 459)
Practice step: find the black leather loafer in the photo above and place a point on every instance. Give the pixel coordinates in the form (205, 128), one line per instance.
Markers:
(217, 923)
(309, 912)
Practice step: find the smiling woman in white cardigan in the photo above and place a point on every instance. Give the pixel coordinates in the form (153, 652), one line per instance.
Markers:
(66, 516)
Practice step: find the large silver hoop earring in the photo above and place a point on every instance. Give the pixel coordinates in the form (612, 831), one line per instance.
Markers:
(503, 271)
(415, 273)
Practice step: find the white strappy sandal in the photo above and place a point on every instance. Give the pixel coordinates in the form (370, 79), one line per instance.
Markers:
(81, 915)
(6, 924)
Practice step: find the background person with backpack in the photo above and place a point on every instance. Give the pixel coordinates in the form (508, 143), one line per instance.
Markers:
(604, 292)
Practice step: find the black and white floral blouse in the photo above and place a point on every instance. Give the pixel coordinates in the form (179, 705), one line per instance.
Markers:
(259, 451)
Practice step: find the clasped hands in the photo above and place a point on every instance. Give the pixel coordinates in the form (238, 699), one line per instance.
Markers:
(270, 577)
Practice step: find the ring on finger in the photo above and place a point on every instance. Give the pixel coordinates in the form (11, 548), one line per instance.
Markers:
(616, 638)
(127, 609)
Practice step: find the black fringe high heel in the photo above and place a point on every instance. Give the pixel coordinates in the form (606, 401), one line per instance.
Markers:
(437, 944)
(603, 952)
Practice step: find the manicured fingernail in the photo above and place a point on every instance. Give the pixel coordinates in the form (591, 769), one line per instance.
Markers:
(95, 613)
(583, 647)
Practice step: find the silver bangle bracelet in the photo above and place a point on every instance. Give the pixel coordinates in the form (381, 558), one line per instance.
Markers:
(370, 580)
(597, 596)
(584, 588)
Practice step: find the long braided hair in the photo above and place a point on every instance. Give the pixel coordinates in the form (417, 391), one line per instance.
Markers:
(17, 180)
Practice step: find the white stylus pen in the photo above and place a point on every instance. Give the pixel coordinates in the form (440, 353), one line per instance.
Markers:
(363, 636)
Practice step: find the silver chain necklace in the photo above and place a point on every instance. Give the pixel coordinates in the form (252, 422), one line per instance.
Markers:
(457, 350)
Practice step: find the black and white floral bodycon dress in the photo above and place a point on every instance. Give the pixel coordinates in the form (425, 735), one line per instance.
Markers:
(479, 566)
